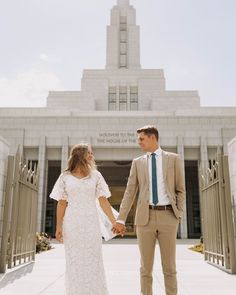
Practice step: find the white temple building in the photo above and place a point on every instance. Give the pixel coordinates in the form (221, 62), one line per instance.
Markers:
(112, 104)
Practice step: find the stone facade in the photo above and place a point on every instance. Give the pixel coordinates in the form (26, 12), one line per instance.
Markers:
(111, 105)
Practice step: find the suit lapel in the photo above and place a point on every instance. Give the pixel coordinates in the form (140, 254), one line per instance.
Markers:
(165, 160)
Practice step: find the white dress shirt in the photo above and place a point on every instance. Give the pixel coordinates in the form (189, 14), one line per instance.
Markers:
(162, 194)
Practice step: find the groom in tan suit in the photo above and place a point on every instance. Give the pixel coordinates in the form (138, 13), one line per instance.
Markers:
(157, 179)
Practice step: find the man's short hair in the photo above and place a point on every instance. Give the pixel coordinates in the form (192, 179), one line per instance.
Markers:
(149, 130)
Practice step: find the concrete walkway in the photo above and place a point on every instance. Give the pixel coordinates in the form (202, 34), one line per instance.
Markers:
(121, 259)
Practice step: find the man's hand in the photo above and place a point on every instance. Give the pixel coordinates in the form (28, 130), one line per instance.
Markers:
(118, 228)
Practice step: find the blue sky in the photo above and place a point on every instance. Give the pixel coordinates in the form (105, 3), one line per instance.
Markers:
(46, 44)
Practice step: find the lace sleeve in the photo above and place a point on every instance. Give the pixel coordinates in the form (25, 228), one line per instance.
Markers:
(102, 189)
(59, 189)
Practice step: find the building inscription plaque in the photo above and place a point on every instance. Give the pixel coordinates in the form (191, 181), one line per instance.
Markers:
(116, 138)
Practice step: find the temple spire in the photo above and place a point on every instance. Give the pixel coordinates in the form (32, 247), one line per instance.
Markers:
(123, 38)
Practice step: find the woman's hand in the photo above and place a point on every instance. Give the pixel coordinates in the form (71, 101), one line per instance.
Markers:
(118, 228)
(59, 235)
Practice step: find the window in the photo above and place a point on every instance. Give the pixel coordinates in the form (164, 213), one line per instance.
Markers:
(123, 36)
(123, 47)
(123, 27)
(123, 42)
(123, 60)
(133, 98)
(123, 90)
(119, 100)
(123, 19)
(123, 98)
(112, 98)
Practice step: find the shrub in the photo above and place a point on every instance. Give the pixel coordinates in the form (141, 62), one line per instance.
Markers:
(199, 247)
(42, 242)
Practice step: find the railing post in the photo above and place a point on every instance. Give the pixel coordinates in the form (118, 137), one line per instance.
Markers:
(229, 215)
(14, 215)
(6, 214)
(223, 214)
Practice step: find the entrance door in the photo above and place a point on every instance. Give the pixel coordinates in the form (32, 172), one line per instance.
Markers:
(54, 170)
(192, 199)
(116, 174)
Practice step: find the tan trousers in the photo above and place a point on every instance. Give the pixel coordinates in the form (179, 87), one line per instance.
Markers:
(162, 226)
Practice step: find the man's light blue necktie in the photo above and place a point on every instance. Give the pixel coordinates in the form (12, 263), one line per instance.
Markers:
(154, 180)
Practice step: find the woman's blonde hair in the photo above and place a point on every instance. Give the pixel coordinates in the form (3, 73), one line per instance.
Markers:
(78, 159)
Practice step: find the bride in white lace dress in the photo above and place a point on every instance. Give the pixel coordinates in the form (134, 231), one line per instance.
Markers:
(76, 191)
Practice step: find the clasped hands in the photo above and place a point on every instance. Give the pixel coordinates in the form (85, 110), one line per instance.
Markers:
(118, 228)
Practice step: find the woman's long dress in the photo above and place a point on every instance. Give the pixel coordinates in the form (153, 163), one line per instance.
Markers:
(81, 232)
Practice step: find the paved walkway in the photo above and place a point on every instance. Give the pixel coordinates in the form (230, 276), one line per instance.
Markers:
(121, 259)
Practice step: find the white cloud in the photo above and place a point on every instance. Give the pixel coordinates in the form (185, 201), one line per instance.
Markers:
(28, 89)
(44, 57)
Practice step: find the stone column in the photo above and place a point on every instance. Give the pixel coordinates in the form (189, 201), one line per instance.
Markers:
(204, 164)
(42, 184)
(225, 140)
(203, 154)
(19, 143)
(183, 224)
(128, 98)
(117, 98)
(64, 153)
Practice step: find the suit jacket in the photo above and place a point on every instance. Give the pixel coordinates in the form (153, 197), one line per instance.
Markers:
(138, 184)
